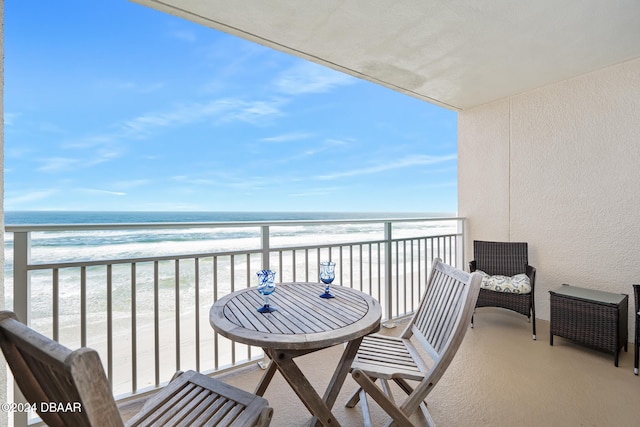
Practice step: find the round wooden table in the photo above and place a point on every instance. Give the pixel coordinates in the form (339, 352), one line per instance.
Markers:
(303, 323)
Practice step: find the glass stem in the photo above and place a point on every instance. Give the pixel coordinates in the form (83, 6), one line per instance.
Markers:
(266, 300)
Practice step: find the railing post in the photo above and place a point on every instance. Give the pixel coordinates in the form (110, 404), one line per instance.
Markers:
(266, 249)
(388, 270)
(21, 276)
(460, 256)
(264, 246)
(21, 303)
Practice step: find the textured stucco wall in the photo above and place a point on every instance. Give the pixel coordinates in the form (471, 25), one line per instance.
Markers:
(483, 170)
(559, 167)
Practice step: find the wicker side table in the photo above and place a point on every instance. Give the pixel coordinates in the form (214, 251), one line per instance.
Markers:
(593, 318)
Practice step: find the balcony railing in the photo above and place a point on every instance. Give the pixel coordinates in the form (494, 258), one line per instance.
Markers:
(148, 315)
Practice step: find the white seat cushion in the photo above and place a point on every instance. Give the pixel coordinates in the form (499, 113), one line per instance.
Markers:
(518, 284)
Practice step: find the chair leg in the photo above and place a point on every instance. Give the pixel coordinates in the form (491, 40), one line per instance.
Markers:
(366, 415)
(427, 417)
(265, 417)
(636, 356)
(382, 399)
(384, 384)
(354, 399)
(533, 315)
(408, 389)
(534, 328)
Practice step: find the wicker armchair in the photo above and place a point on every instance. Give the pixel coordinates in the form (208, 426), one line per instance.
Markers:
(507, 259)
(636, 341)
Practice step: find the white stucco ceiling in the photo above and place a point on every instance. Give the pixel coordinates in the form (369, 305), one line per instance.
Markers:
(454, 53)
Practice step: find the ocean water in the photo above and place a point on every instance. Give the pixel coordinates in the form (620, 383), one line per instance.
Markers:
(105, 244)
(63, 246)
(94, 217)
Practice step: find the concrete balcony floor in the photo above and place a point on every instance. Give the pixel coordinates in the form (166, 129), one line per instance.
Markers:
(499, 377)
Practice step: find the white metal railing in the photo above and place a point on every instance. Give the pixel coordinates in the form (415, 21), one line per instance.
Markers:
(148, 315)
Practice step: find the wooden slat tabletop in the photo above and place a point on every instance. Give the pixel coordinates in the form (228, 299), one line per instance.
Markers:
(302, 320)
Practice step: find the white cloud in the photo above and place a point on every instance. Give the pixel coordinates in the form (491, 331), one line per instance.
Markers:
(287, 137)
(183, 179)
(316, 192)
(60, 164)
(336, 142)
(102, 156)
(143, 125)
(57, 164)
(128, 86)
(308, 77)
(9, 118)
(89, 141)
(14, 202)
(409, 161)
(255, 111)
(17, 152)
(185, 35)
(148, 124)
(132, 184)
(98, 191)
(314, 150)
(226, 109)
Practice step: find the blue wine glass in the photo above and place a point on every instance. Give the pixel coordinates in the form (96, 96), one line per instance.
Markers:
(327, 274)
(266, 286)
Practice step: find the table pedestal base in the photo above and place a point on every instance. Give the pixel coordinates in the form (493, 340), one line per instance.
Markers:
(320, 408)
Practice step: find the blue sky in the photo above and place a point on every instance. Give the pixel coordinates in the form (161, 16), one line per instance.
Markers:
(114, 106)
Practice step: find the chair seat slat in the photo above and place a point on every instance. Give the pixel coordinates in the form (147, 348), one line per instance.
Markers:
(220, 414)
(208, 409)
(175, 410)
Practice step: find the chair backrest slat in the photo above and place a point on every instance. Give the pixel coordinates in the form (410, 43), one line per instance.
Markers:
(449, 312)
(505, 258)
(440, 310)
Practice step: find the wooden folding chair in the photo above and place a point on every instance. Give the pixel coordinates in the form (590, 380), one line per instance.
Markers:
(437, 328)
(49, 373)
